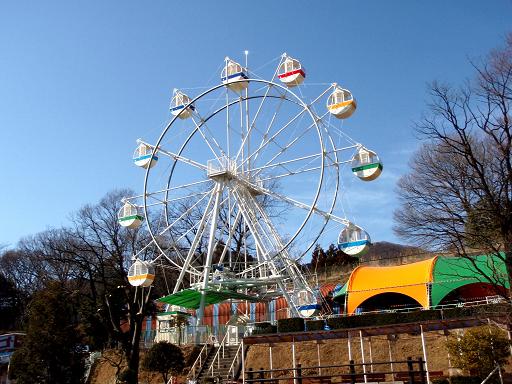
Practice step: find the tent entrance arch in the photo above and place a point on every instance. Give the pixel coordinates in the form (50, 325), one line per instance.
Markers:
(471, 292)
(388, 301)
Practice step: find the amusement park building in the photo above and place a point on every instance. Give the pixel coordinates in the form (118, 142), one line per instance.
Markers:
(429, 283)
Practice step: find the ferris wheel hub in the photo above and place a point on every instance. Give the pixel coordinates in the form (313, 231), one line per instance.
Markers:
(221, 168)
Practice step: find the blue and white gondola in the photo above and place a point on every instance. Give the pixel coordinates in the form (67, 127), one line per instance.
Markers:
(179, 104)
(143, 157)
(307, 304)
(354, 240)
(233, 76)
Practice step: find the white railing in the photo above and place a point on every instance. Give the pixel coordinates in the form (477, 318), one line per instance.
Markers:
(198, 364)
(216, 358)
(236, 360)
(470, 303)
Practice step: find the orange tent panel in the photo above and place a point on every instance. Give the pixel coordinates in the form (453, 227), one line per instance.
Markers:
(410, 280)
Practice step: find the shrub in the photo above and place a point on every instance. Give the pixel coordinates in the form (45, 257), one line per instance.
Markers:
(164, 358)
(465, 380)
(269, 328)
(315, 325)
(479, 349)
(294, 324)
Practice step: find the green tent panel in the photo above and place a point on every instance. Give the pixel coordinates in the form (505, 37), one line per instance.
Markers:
(341, 292)
(191, 299)
(451, 273)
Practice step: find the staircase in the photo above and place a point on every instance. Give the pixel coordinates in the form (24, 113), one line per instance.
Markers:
(218, 363)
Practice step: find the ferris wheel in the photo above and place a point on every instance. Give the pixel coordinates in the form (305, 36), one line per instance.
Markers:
(241, 184)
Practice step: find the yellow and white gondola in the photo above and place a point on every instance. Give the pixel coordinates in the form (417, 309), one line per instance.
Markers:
(354, 240)
(179, 104)
(366, 165)
(341, 103)
(143, 156)
(291, 72)
(129, 216)
(231, 75)
(141, 274)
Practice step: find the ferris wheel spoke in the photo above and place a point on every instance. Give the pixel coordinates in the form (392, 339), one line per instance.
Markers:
(166, 190)
(290, 144)
(313, 157)
(177, 157)
(186, 197)
(299, 171)
(207, 141)
(264, 142)
(246, 137)
(186, 212)
(299, 204)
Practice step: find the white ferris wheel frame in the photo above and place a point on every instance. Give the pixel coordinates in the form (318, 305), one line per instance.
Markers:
(247, 205)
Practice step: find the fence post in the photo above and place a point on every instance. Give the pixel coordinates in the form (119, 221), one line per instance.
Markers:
(299, 374)
(410, 369)
(262, 376)
(352, 372)
(423, 375)
(250, 375)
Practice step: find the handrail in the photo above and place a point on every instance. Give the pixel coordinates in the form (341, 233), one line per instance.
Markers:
(217, 354)
(192, 373)
(231, 371)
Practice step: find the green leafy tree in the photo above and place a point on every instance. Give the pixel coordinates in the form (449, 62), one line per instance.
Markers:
(480, 349)
(164, 358)
(50, 352)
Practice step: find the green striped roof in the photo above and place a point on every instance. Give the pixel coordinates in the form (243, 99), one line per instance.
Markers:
(190, 298)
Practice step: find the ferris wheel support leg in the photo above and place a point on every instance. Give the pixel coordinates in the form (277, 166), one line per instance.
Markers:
(246, 210)
(197, 237)
(211, 249)
(299, 282)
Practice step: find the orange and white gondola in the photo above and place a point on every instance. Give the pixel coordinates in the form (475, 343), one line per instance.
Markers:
(341, 103)
(291, 72)
(129, 216)
(141, 274)
(233, 75)
(179, 104)
(366, 165)
(354, 240)
(143, 156)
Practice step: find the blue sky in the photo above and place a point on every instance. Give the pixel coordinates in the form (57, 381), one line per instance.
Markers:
(81, 80)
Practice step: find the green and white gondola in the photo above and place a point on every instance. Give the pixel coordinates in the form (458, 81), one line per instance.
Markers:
(366, 165)
(129, 216)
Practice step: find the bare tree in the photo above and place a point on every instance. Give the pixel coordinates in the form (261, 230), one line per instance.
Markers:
(458, 193)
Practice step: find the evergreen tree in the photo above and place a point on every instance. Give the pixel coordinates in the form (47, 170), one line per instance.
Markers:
(51, 349)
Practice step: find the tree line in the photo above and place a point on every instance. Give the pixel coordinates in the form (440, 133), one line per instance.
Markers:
(68, 287)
